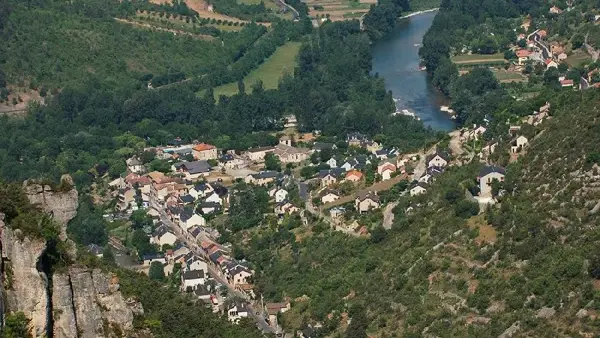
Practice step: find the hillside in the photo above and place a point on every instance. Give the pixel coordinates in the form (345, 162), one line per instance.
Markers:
(526, 263)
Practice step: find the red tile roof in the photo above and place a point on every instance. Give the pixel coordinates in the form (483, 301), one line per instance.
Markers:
(523, 53)
(203, 147)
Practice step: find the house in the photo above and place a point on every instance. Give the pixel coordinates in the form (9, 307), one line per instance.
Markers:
(209, 207)
(201, 190)
(191, 279)
(359, 162)
(285, 140)
(371, 146)
(290, 121)
(555, 10)
(194, 233)
(214, 197)
(386, 169)
(240, 275)
(332, 162)
(278, 194)
(329, 196)
(96, 250)
(237, 311)
(289, 154)
(567, 83)
(187, 199)
(258, 154)
(331, 176)
(523, 56)
(188, 218)
(149, 259)
(285, 207)
(438, 159)
(366, 201)
(196, 169)
(202, 292)
(355, 139)
(337, 213)
(425, 178)
(419, 189)
(162, 235)
(195, 263)
(550, 63)
(205, 152)
(518, 144)
(262, 178)
(231, 161)
(134, 165)
(117, 183)
(353, 176)
(319, 146)
(487, 175)
(273, 309)
(542, 33)
(488, 149)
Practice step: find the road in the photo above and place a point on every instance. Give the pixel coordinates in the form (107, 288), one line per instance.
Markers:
(541, 45)
(195, 248)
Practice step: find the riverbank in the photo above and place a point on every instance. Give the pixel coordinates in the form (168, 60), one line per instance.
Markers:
(418, 13)
(396, 60)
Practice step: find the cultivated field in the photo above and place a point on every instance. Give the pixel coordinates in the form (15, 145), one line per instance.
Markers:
(281, 62)
(505, 76)
(337, 10)
(473, 59)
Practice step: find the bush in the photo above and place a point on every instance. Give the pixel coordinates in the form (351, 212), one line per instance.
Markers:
(466, 209)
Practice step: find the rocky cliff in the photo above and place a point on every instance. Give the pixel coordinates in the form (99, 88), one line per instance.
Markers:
(60, 203)
(70, 302)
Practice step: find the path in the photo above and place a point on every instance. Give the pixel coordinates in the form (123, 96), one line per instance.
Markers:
(214, 273)
(174, 31)
(388, 215)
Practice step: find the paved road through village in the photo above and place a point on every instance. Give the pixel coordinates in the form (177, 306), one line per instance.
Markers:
(258, 318)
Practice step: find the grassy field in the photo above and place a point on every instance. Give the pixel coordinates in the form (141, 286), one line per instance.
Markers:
(477, 58)
(578, 57)
(270, 4)
(506, 76)
(281, 62)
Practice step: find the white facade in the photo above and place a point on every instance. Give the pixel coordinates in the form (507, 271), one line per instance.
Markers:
(331, 197)
(167, 238)
(417, 190)
(485, 183)
(195, 220)
(281, 195)
(437, 161)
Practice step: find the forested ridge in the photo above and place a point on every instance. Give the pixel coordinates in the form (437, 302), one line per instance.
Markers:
(448, 273)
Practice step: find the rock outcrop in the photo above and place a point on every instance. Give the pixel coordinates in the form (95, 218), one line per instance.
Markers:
(25, 286)
(61, 204)
(74, 301)
(91, 305)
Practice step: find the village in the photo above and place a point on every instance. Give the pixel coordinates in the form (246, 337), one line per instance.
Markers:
(351, 185)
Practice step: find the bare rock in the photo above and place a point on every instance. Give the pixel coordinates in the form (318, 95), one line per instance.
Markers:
(582, 313)
(65, 323)
(511, 331)
(62, 205)
(25, 286)
(87, 310)
(545, 312)
(495, 307)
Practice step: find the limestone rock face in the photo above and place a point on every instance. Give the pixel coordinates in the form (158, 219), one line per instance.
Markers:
(25, 286)
(62, 205)
(97, 308)
(65, 325)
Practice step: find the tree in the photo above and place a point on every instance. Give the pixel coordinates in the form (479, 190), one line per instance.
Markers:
(272, 162)
(108, 257)
(16, 326)
(156, 271)
(466, 209)
(378, 234)
(577, 40)
(358, 325)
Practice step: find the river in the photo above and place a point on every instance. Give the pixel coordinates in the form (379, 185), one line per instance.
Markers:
(396, 59)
